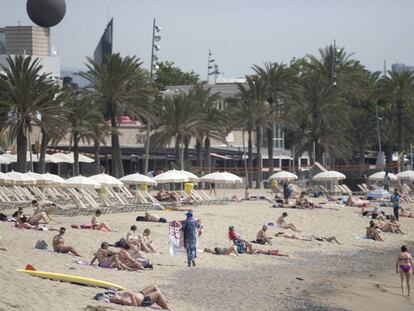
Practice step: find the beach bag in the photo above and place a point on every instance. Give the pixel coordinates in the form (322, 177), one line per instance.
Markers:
(121, 243)
(141, 218)
(41, 244)
(3, 217)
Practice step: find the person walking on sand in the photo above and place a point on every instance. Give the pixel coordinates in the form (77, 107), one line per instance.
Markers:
(404, 266)
(395, 199)
(189, 227)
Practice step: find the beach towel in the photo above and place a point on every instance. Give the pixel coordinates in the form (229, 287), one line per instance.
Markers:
(176, 239)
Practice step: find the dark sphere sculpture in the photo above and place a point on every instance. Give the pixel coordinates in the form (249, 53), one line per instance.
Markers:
(46, 13)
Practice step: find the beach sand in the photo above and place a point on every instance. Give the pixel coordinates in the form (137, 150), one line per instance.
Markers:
(358, 275)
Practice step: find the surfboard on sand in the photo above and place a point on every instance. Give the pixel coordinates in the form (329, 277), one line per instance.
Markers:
(71, 278)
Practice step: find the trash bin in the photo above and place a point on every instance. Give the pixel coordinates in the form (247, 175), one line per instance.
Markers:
(188, 188)
(144, 187)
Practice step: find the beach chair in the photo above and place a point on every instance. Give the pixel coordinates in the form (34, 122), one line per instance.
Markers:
(363, 189)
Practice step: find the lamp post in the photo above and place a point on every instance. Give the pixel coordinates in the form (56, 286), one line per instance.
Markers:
(211, 65)
(154, 48)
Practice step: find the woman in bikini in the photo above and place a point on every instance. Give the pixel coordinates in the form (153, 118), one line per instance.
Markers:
(96, 225)
(404, 266)
(145, 298)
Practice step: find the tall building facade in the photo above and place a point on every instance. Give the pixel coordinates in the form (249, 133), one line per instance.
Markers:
(29, 40)
(401, 67)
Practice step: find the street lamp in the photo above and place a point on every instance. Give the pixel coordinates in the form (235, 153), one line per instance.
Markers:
(211, 65)
(153, 67)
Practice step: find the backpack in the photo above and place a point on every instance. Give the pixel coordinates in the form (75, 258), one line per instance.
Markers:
(41, 244)
(121, 243)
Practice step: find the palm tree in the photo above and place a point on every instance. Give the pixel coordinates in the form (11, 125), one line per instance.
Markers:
(26, 97)
(282, 84)
(398, 89)
(98, 130)
(177, 117)
(251, 113)
(117, 85)
(211, 120)
(81, 113)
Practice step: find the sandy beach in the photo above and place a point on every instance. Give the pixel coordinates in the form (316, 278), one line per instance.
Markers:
(358, 275)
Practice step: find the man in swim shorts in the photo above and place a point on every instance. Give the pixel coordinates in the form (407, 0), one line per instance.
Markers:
(59, 244)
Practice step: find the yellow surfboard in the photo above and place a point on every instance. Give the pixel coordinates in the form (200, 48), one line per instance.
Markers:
(72, 279)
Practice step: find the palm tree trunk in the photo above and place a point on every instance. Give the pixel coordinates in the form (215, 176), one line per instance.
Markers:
(21, 150)
(361, 158)
(207, 150)
(117, 167)
(258, 156)
(250, 157)
(43, 148)
(186, 144)
(96, 148)
(177, 150)
(76, 153)
(400, 129)
(269, 131)
(199, 155)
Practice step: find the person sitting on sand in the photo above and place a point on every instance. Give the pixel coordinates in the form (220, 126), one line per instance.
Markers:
(373, 232)
(396, 224)
(404, 267)
(59, 244)
(135, 241)
(240, 242)
(374, 214)
(304, 202)
(262, 237)
(221, 251)
(308, 238)
(107, 258)
(162, 195)
(43, 206)
(96, 225)
(145, 298)
(147, 241)
(126, 259)
(282, 223)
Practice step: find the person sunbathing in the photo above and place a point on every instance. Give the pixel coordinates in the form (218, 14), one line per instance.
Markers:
(394, 222)
(221, 251)
(374, 214)
(373, 232)
(282, 223)
(145, 298)
(405, 213)
(107, 258)
(241, 243)
(43, 206)
(356, 203)
(96, 225)
(126, 259)
(308, 238)
(154, 218)
(304, 202)
(59, 244)
(38, 218)
(262, 237)
(162, 195)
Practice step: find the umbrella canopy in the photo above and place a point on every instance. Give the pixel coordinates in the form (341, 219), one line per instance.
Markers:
(5, 159)
(329, 176)
(138, 179)
(406, 175)
(191, 176)
(10, 157)
(220, 177)
(107, 180)
(62, 158)
(380, 176)
(172, 176)
(4, 179)
(283, 175)
(378, 194)
(40, 179)
(21, 179)
(55, 179)
(82, 182)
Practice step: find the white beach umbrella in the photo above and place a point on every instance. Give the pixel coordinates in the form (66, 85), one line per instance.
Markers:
(329, 176)
(138, 179)
(61, 157)
(406, 175)
(82, 182)
(191, 176)
(283, 175)
(219, 177)
(40, 178)
(172, 176)
(20, 178)
(4, 179)
(5, 159)
(11, 157)
(55, 179)
(380, 176)
(107, 180)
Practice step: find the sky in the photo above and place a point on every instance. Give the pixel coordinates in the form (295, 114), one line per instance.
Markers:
(240, 33)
